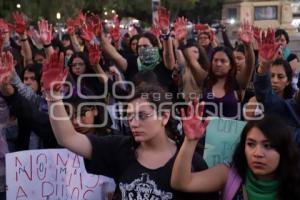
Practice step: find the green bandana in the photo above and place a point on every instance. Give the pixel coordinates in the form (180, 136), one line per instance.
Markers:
(148, 59)
(260, 189)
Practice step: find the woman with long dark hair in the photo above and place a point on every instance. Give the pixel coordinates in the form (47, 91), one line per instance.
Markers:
(265, 164)
(138, 162)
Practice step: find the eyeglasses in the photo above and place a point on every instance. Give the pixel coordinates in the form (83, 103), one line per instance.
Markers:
(140, 116)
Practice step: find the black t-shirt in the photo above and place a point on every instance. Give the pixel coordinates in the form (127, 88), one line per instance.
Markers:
(113, 156)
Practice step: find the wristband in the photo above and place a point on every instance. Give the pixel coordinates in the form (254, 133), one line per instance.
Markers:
(52, 100)
(165, 36)
(47, 45)
(24, 40)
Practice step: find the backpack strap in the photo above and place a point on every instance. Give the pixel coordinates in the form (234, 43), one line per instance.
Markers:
(232, 184)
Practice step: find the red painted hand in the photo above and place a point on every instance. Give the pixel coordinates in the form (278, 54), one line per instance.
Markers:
(45, 32)
(193, 127)
(6, 67)
(115, 30)
(70, 26)
(246, 32)
(180, 28)
(268, 47)
(94, 54)
(155, 30)
(257, 34)
(54, 73)
(4, 28)
(201, 27)
(87, 33)
(94, 23)
(20, 22)
(163, 19)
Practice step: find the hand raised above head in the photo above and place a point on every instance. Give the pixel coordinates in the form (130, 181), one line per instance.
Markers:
(87, 33)
(6, 67)
(20, 22)
(193, 126)
(246, 32)
(180, 28)
(54, 73)
(268, 47)
(115, 30)
(163, 19)
(45, 32)
(94, 54)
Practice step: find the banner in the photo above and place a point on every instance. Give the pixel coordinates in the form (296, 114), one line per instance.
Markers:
(56, 174)
(222, 135)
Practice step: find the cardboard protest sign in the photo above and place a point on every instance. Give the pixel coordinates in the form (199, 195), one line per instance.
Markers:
(53, 174)
(222, 135)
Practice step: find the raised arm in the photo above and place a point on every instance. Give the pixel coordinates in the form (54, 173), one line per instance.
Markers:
(164, 24)
(21, 30)
(53, 77)
(183, 179)
(45, 35)
(113, 54)
(198, 71)
(246, 36)
(262, 80)
(6, 69)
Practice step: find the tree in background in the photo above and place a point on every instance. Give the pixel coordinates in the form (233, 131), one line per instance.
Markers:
(140, 9)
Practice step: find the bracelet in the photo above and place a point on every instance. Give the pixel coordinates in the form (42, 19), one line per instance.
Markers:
(52, 100)
(24, 40)
(165, 36)
(47, 45)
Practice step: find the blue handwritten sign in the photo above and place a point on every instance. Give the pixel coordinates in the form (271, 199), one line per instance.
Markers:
(222, 135)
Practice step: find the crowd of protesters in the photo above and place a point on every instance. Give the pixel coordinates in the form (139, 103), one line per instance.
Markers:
(144, 88)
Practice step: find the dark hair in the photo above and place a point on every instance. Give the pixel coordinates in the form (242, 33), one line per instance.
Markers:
(135, 37)
(76, 100)
(92, 83)
(281, 139)
(88, 67)
(280, 32)
(66, 36)
(288, 90)
(231, 77)
(149, 93)
(37, 70)
(147, 77)
(239, 48)
(39, 52)
(151, 37)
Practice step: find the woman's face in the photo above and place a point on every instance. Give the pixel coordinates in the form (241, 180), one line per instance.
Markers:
(240, 60)
(279, 79)
(195, 52)
(82, 119)
(220, 64)
(133, 46)
(281, 40)
(143, 121)
(78, 66)
(144, 42)
(262, 158)
(30, 80)
(203, 39)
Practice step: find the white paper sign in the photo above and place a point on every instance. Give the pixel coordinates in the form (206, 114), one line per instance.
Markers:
(54, 174)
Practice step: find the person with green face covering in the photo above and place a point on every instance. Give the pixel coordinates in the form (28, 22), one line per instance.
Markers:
(265, 164)
(150, 59)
